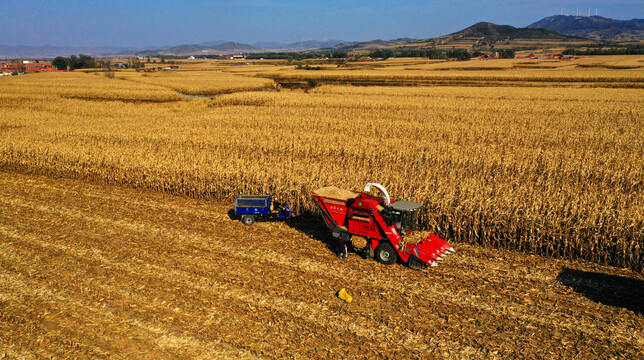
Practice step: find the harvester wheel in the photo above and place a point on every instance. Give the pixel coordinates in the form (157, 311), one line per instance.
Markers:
(386, 254)
(248, 219)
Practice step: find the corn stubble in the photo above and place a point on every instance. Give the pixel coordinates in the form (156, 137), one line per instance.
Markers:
(89, 271)
(551, 171)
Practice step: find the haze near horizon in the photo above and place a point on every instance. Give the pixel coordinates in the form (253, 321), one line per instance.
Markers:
(120, 23)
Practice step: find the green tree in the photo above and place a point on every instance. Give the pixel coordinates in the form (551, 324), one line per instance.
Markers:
(76, 62)
(382, 53)
(60, 63)
(506, 54)
(86, 62)
(460, 54)
(340, 54)
(73, 62)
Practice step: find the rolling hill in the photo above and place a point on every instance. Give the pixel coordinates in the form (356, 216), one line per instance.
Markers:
(482, 35)
(298, 46)
(594, 27)
(373, 45)
(488, 35)
(492, 33)
(229, 47)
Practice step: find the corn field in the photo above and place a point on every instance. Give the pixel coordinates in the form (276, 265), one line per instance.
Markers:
(540, 168)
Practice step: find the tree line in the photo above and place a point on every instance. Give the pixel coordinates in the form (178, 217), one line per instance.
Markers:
(339, 54)
(628, 50)
(460, 54)
(83, 61)
(73, 62)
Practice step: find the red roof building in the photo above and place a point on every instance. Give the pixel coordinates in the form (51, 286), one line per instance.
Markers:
(28, 67)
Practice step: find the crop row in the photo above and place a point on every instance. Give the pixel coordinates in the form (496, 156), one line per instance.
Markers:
(556, 173)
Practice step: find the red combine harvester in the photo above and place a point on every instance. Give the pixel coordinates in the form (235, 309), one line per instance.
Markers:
(383, 224)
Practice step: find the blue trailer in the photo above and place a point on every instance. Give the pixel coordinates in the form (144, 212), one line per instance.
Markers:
(260, 207)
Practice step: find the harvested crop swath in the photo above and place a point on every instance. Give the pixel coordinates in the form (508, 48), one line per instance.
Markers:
(200, 82)
(92, 271)
(518, 77)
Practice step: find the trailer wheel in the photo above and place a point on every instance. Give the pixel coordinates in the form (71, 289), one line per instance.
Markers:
(248, 219)
(386, 254)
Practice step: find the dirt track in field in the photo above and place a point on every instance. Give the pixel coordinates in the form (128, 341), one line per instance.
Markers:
(91, 271)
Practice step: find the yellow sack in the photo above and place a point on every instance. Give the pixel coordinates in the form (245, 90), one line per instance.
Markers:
(342, 294)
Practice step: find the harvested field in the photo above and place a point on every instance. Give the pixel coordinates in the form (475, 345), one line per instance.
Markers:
(97, 271)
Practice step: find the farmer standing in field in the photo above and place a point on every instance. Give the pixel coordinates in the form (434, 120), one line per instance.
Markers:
(342, 245)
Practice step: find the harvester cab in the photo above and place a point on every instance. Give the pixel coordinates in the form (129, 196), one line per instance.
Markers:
(403, 215)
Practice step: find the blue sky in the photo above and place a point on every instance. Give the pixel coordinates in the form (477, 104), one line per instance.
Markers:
(163, 22)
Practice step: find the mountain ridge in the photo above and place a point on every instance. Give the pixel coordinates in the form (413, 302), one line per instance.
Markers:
(480, 35)
(593, 27)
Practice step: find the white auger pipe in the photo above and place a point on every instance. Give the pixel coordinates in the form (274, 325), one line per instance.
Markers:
(382, 190)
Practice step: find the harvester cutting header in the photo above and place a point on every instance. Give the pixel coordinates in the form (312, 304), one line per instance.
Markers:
(386, 226)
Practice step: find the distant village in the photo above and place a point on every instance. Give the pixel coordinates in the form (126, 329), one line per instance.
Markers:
(21, 67)
(33, 66)
(24, 67)
(11, 68)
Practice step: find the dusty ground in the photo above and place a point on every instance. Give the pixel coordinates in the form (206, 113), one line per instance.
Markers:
(90, 271)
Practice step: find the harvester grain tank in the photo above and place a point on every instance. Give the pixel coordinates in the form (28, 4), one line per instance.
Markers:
(385, 225)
